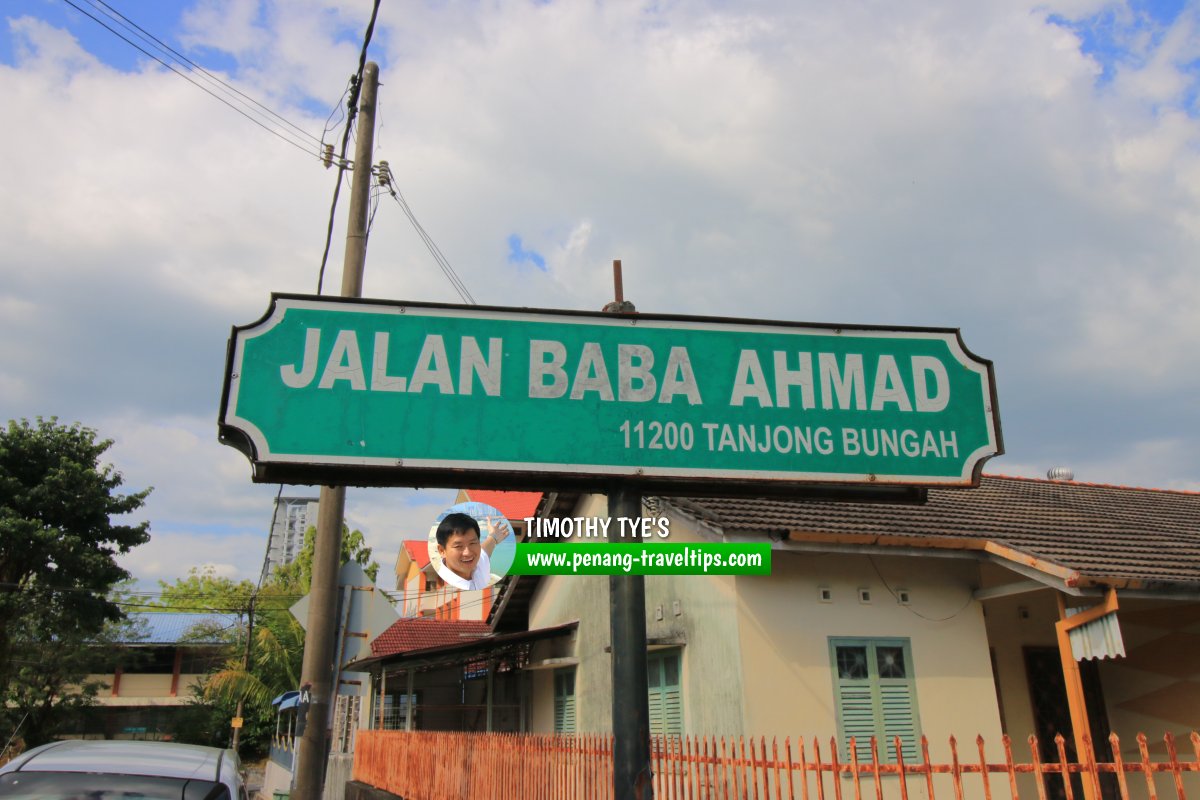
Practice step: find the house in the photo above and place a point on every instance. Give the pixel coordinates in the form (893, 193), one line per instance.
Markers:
(161, 659)
(422, 678)
(421, 590)
(880, 619)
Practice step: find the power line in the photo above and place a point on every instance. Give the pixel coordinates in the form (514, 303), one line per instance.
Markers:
(192, 81)
(153, 40)
(388, 180)
(352, 112)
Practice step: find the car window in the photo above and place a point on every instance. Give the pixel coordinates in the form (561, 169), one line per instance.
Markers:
(33, 785)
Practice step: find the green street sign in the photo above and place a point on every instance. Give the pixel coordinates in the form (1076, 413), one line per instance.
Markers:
(370, 392)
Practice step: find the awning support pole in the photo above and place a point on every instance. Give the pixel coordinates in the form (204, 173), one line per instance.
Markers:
(1076, 702)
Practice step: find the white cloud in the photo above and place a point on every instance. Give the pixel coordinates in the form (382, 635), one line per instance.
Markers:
(930, 164)
(171, 554)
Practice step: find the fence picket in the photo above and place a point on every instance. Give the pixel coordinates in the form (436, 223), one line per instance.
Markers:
(956, 770)
(903, 770)
(983, 769)
(1173, 755)
(820, 780)
(928, 767)
(1147, 769)
(835, 769)
(1061, 744)
(1093, 773)
(854, 776)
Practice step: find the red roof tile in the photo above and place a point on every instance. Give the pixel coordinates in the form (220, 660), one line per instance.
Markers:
(1103, 533)
(418, 551)
(420, 633)
(513, 505)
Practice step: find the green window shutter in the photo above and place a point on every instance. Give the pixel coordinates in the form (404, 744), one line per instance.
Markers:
(564, 700)
(900, 719)
(876, 696)
(665, 692)
(856, 717)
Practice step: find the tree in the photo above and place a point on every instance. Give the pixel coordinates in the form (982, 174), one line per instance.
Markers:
(298, 574)
(58, 548)
(48, 683)
(204, 590)
(275, 655)
(276, 650)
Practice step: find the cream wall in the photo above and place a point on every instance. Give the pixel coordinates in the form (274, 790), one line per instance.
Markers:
(707, 626)
(784, 631)
(541, 711)
(145, 690)
(755, 651)
(584, 598)
(698, 614)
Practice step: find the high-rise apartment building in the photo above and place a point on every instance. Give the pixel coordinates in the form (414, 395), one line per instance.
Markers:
(293, 516)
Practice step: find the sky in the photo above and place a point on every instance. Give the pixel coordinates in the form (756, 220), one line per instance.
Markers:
(1027, 172)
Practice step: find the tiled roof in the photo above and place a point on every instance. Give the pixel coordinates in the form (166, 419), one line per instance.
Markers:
(513, 505)
(420, 633)
(418, 551)
(1113, 534)
(162, 627)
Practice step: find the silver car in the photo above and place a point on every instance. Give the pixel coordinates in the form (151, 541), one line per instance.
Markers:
(107, 769)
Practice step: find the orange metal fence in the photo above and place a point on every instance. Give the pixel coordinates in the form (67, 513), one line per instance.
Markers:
(427, 765)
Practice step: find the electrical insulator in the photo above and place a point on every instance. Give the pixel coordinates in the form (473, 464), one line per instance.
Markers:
(327, 155)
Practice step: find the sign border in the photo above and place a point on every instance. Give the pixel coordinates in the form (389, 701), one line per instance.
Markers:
(374, 471)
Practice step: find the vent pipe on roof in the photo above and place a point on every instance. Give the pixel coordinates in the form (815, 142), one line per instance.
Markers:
(1060, 474)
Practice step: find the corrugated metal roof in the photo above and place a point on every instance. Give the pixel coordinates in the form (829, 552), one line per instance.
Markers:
(164, 627)
(1104, 533)
(1100, 638)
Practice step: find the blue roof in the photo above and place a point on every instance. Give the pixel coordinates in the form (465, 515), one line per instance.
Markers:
(286, 700)
(165, 627)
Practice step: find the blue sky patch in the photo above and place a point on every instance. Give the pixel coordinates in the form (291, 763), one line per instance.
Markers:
(1126, 36)
(517, 254)
(1122, 34)
(160, 19)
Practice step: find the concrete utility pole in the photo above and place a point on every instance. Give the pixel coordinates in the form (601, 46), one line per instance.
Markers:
(627, 628)
(319, 644)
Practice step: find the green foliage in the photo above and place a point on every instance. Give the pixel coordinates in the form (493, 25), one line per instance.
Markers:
(298, 574)
(208, 720)
(276, 652)
(274, 658)
(48, 679)
(204, 590)
(57, 565)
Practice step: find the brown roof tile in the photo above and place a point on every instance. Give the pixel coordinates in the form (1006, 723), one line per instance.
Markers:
(1102, 532)
(420, 633)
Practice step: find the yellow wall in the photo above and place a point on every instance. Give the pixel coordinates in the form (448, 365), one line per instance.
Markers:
(784, 631)
(755, 651)
(150, 689)
(584, 598)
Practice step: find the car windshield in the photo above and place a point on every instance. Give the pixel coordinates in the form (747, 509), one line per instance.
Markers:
(93, 786)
